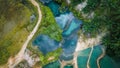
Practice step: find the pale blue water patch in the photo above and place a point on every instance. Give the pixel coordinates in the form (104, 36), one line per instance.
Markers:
(97, 51)
(68, 66)
(64, 19)
(74, 26)
(107, 62)
(69, 44)
(68, 47)
(83, 58)
(45, 44)
(55, 64)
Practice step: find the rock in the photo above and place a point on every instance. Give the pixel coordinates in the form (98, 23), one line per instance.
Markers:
(23, 64)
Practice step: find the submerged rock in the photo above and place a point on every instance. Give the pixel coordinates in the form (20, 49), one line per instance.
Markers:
(31, 58)
(23, 64)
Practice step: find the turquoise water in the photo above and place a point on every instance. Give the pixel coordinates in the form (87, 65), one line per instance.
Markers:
(107, 62)
(68, 66)
(96, 53)
(45, 44)
(64, 19)
(55, 64)
(73, 27)
(70, 26)
(54, 8)
(82, 58)
(45, 1)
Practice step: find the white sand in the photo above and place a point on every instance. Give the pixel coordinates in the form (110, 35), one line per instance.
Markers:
(84, 44)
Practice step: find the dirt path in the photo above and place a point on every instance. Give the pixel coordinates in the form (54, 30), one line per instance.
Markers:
(88, 66)
(100, 57)
(19, 57)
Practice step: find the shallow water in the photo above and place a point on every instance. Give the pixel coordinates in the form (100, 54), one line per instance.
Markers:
(70, 26)
(64, 19)
(73, 27)
(55, 64)
(107, 62)
(97, 51)
(45, 44)
(54, 8)
(82, 58)
(68, 66)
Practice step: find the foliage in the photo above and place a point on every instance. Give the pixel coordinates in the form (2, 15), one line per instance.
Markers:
(112, 39)
(14, 20)
(107, 16)
(76, 2)
(48, 24)
(91, 5)
(44, 58)
(48, 27)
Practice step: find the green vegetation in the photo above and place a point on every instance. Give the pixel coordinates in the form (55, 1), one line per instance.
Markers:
(48, 24)
(14, 20)
(44, 59)
(106, 19)
(76, 2)
(48, 27)
(91, 5)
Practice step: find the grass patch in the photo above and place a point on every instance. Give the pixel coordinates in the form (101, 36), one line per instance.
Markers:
(14, 21)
